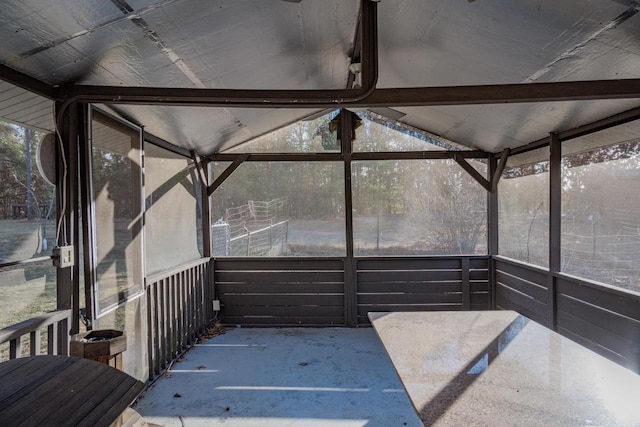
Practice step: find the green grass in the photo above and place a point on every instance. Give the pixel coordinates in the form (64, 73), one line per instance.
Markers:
(21, 239)
(30, 289)
(26, 291)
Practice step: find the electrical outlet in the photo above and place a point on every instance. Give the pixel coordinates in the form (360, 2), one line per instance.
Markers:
(63, 256)
(216, 305)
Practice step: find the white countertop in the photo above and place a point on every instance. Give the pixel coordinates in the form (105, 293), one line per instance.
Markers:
(500, 368)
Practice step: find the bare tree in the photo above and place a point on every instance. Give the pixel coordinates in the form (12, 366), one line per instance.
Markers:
(451, 209)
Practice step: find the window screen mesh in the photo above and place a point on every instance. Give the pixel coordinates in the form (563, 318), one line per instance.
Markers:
(173, 211)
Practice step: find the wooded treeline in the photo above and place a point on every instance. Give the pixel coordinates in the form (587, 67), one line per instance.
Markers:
(21, 181)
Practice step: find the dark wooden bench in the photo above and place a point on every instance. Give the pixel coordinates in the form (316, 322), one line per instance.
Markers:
(63, 391)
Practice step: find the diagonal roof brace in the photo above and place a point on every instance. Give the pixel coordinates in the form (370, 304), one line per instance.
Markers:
(490, 186)
(471, 171)
(226, 173)
(199, 164)
(502, 163)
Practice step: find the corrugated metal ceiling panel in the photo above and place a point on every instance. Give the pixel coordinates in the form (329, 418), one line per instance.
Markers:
(440, 43)
(262, 45)
(186, 43)
(281, 45)
(228, 43)
(495, 127)
(31, 27)
(209, 130)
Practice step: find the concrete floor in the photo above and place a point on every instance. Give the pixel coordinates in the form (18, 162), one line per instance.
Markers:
(282, 377)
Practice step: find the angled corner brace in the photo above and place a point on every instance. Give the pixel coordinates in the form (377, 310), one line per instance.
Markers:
(226, 173)
(471, 171)
(199, 164)
(502, 163)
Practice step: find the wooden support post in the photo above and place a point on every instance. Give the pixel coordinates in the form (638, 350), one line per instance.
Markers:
(555, 237)
(492, 233)
(203, 168)
(34, 343)
(206, 212)
(15, 348)
(350, 286)
(52, 338)
(67, 285)
(88, 237)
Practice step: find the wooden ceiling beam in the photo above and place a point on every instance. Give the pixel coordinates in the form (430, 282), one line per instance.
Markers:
(397, 97)
(505, 93)
(24, 81)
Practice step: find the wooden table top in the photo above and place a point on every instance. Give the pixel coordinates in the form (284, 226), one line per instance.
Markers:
(500, 368)
(63, 391)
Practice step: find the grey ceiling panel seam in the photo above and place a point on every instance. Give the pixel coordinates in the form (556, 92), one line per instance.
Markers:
(617, 21)
(54, 43)
(628, 3)
(155, 37)
(149, 32)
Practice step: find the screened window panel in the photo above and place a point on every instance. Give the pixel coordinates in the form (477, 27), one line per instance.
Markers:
(27, 202)
(280, 209)
(601, 215)
(26, 291)
(173, 210)
(27, 228)
(118, 218)
(418, 207)
(523, 198)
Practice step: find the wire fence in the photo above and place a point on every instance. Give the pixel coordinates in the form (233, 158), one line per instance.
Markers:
(255, 229)
(601, 244)
(525, 236)
(265, 241)
(255, 215)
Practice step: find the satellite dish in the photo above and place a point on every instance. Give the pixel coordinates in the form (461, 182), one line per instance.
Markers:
(46, 158)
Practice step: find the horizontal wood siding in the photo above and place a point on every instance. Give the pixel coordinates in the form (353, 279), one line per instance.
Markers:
(479, 284)
(421, 284)
(522, 288)
(600, 317)
(606, 321)
(280, 292)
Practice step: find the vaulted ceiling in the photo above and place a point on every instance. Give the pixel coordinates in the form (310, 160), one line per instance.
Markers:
(309, 44)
